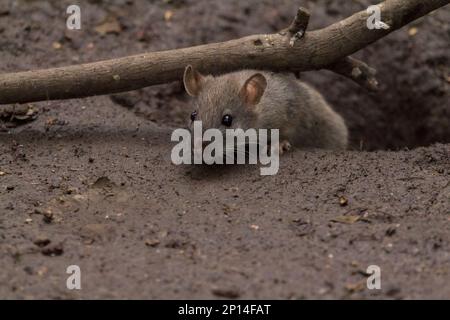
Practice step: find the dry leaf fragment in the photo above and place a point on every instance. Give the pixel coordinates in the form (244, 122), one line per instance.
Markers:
(355, 287)
(56, 45)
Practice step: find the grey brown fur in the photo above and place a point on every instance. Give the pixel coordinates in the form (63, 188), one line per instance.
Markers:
(304, 118)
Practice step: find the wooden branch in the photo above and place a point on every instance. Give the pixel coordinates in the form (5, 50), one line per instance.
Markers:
(316, 50)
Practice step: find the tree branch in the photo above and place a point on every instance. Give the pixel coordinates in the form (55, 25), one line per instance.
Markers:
(298, 27)
(318, 49)
(356, 70)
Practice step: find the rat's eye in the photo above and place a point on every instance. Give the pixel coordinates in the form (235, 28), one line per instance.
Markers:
(193, 115)
(227, 120)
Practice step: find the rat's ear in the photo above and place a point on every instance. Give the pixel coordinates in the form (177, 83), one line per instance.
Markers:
(253, 89)
(192, 80)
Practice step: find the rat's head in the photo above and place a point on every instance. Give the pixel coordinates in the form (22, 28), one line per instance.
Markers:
(225, 102)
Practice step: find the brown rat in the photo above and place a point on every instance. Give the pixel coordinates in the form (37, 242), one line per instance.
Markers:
(266, 100)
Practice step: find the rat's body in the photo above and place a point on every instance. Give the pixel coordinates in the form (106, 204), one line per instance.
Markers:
(266, 100)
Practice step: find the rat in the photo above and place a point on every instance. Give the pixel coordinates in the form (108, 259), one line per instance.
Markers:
(266, 100)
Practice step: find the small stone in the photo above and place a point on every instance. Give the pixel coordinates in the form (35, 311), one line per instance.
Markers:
(28, 270)
(391, 231)
(56, 45)
(356, 72)
(413, 31)
(393, 291)
(354, 263)
(48, 216)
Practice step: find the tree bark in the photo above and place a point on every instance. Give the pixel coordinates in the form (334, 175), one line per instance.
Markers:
(325, 48)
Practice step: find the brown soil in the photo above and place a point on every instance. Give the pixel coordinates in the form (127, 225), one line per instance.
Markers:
(90, 182)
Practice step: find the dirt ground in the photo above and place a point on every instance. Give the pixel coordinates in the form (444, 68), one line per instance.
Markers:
(89, 182)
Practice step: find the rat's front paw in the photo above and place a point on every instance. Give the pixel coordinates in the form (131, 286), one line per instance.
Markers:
(285, 146)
